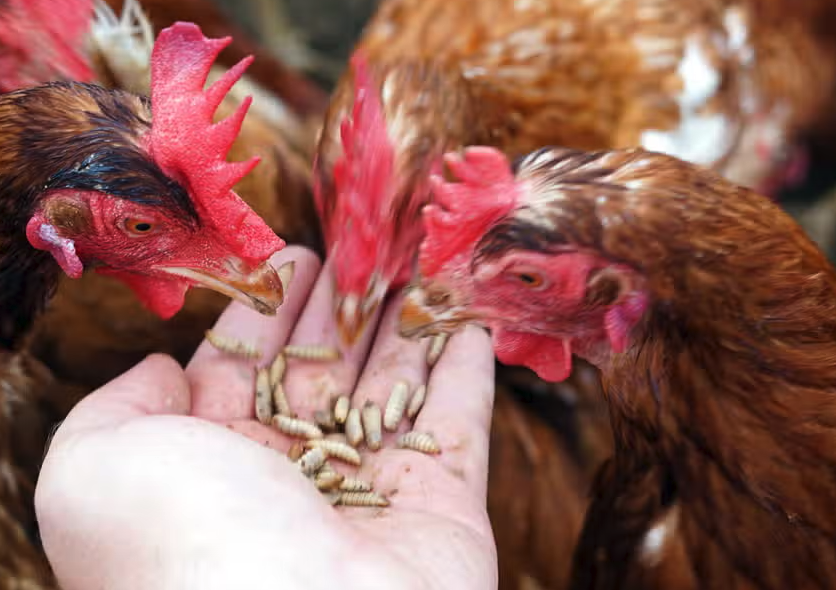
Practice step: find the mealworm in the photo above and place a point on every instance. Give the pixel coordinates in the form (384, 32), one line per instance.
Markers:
(337, 436)
(419, 441)
(232, 345)
(351, 484)
(362, 499)
(280, 399)
(341, 407)
(277, 369)
(311, 461)
(417, 402)
(325, 420)
(354, 427)
(263, 397)
(372, 423)
(395, 406)
(312, 352)
(296, 427)
(436, 348)
(337, 450)
(327, 481)
(326, 468)
(296, 450)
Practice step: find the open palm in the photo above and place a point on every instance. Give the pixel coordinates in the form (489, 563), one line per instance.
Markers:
(164, 479)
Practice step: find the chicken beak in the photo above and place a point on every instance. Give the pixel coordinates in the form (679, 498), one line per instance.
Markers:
(419, 319)
(352, 317)
(261, 288)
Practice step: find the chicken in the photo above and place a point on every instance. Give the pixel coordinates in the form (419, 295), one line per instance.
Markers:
(728, 84)
(710, 314)
(141, 192)
(145, 202)
(36, 47)
(95, 328)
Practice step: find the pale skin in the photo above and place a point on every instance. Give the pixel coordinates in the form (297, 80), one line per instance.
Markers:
(162, 479)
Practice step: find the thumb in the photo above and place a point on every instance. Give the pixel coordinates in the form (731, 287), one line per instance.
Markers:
(157, 385)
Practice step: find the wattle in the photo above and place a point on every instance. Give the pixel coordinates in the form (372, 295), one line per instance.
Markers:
(550, 358)
(163, 296)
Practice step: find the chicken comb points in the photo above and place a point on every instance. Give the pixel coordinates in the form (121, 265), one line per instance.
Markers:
(462, 211)
(43, 41)
(362, 175)
(368, 162)
(191, 148)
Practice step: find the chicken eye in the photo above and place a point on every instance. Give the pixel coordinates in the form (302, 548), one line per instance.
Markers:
(138, 227)
(530, 279)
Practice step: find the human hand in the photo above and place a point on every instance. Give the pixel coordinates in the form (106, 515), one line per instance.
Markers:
(163, 478)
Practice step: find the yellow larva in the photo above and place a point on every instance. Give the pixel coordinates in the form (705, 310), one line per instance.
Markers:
(311, 461)
(232, 346)
(372, 425)
(280, 399)
(341, 408)
(419, 441)
(354, 427)
(395, 406)
(328, 480)
(337, 450)
(277, 369)
(417, 402)
(312, 352)
(362, 499)
(296, 450)
(351, 484)
(326, 468)
(436, 348)
(263, 397)
(296, 427)
(325, 420)
(337, 436)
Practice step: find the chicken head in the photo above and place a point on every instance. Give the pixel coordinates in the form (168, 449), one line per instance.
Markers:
(144, 193)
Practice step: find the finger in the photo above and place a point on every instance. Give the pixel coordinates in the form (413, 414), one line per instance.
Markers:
(157, 385)
(458, 407)
(311, 384)
(223, 384)
(392, 359)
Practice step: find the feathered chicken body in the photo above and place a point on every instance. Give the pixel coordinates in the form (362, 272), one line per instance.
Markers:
(723, 84)
(710, 315)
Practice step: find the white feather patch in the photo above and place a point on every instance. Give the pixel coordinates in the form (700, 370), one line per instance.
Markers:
(700, 138)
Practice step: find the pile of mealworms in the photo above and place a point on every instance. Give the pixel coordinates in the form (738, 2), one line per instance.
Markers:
(339, 430)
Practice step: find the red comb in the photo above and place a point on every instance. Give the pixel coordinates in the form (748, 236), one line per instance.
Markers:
(365, 165)
(363, 176)
(43, 41)
(189, 147)
(462, 211)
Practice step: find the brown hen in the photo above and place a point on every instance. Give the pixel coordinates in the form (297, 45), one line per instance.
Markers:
(710, 314)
